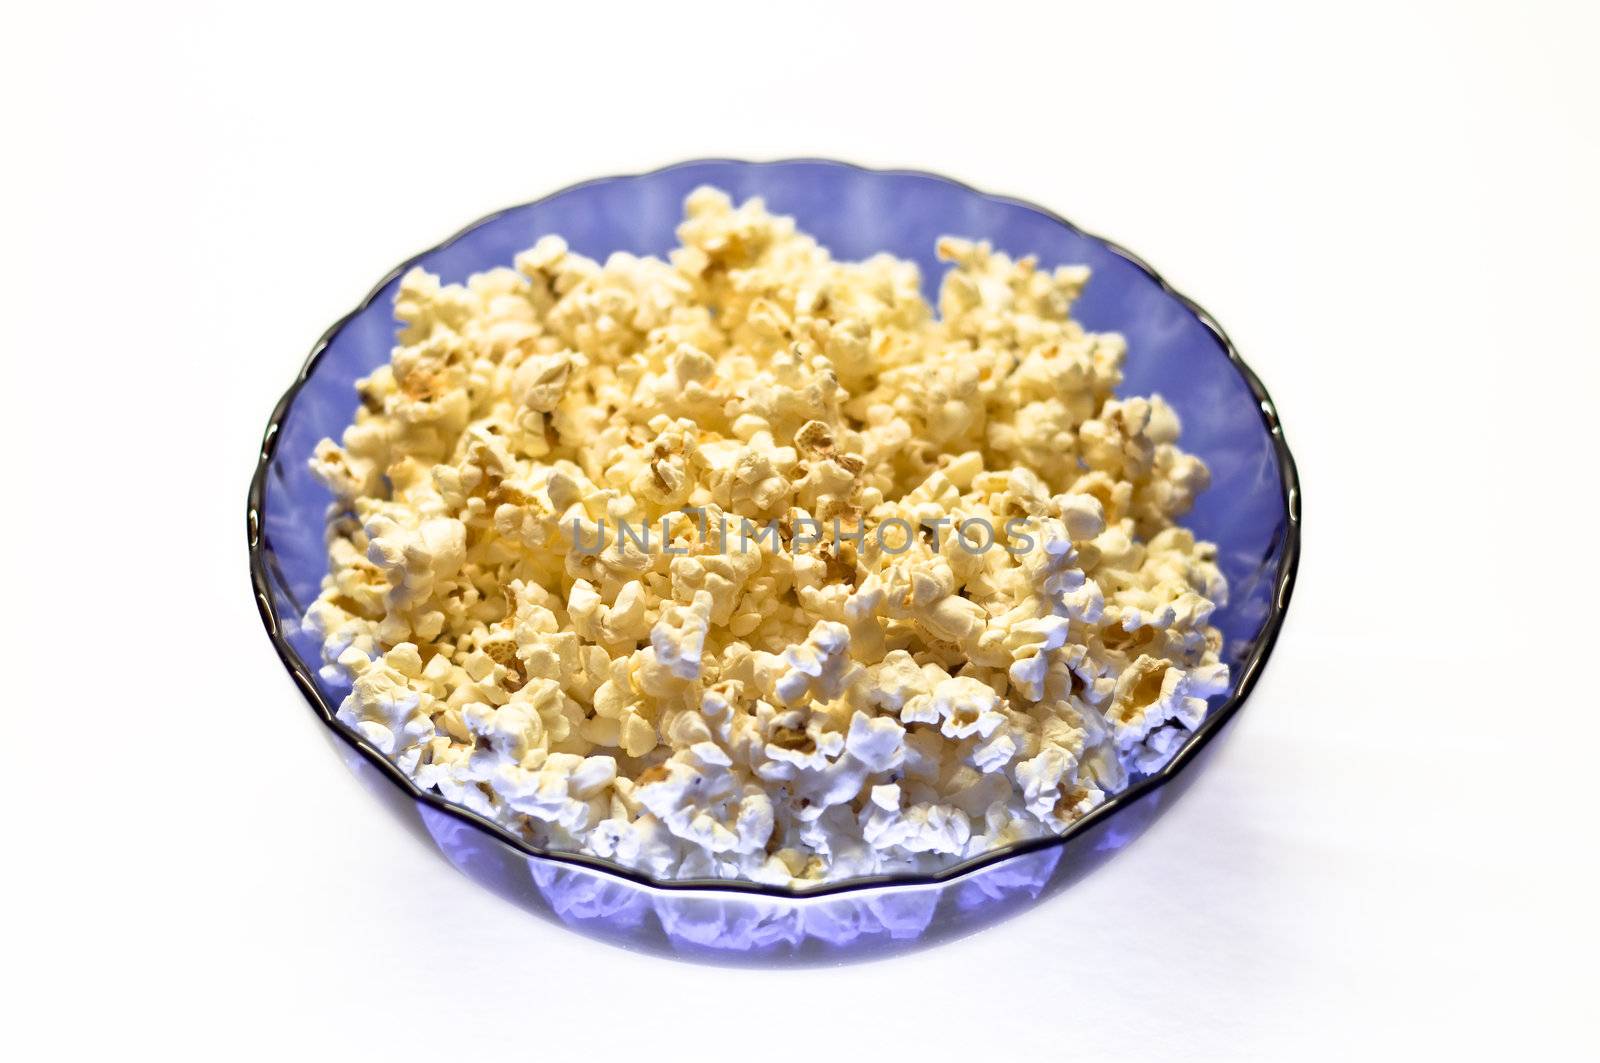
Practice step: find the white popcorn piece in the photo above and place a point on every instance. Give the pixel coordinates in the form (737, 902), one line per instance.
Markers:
(912, 586)
(679, 637)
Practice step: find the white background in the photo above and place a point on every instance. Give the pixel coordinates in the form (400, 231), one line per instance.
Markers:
(1391, 208)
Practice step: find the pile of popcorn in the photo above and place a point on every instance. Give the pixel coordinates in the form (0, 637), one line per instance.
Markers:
(908, 587)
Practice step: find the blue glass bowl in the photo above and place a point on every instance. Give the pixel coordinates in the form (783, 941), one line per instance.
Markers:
(1252, 511)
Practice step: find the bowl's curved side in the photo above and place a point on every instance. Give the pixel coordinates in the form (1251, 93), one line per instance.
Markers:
(735, 928)
(1252, 509)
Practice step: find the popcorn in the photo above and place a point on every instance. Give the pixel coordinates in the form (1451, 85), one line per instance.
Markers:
(744, 564)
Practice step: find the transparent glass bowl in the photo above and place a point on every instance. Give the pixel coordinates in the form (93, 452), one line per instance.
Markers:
(1252, 511)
